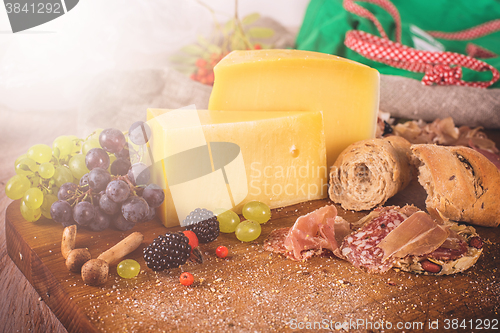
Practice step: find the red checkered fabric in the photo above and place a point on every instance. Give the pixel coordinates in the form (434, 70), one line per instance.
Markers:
(468, 34)
(476, 51)
(442, 68)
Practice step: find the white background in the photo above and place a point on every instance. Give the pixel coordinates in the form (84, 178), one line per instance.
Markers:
(48, 67)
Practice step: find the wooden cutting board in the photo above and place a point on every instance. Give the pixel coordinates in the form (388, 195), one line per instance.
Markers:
(254, 290)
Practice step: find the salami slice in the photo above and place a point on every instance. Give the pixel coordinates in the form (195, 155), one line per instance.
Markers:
(453, 248)
(360, 248)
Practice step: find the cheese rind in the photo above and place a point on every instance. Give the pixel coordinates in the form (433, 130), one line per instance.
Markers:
(287, 80)
(278, 158)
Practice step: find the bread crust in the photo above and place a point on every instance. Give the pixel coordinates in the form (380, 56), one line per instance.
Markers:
(369, 172)
(462, 184)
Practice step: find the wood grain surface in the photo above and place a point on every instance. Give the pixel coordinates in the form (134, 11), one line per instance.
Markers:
(22, 309)
(251, 290)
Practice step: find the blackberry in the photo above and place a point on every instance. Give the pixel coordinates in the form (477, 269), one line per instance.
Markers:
(203, 223)
(167, 251)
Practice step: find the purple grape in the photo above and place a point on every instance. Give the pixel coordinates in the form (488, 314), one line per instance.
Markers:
(154, 195)
(83, 213)
(66, 191)
(139, 174)
(93, 198)
(112, 140)
(70, 222)
(139, 133)
(99, 179)
(84, 181)
(118, 190)
(61, 211)
(152, 214)
(120, 223)
(135, 209)
(126, 152)
(100, 222)
(97, 158)
(108, 206)
(120, 167)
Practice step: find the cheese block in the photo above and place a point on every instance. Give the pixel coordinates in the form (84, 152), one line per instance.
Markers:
(223, 159)
(288, 80)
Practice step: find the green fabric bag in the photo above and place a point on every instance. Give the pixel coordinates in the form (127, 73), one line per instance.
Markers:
(327, 21)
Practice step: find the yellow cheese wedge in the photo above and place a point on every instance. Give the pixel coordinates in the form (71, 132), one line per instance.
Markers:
(288, 80)
(223, 159)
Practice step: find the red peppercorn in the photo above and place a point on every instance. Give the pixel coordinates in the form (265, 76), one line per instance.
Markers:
(186, 279)
(221, 252)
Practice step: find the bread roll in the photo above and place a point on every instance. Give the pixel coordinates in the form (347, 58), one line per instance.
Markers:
(369, 172)
(461, 184)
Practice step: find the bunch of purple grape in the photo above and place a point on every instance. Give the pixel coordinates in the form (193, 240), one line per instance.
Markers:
(120, 197)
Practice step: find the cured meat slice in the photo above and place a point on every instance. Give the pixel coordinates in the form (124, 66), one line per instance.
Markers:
(454, 247)
(311, 234)
(459, 252)
(417, 235)
(275, 242)
(361, 247)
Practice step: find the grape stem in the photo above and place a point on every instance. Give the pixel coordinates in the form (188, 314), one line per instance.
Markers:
(133, 188)
(90, 135)
(81, 194)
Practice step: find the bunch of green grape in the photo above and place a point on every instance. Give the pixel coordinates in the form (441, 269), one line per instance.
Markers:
(41, 171)
(44, 174)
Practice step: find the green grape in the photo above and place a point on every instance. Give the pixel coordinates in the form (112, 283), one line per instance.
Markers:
(95, 134)
(30, 215)
(35, 181)
(33, 198)
(48, 200)
(46, 170)
(20, 158)
(64, 145)
(256, 211)
(40, 153)
(89, 144)
(228, 220)
(77, 166)
(53, 190)
(26, 166)
(17, 186)
(128, 268)
(77, 144)
(62, 175)
(248, 231)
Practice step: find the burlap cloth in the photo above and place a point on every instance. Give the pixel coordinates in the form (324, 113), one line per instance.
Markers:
(119, 98)
(408, 98)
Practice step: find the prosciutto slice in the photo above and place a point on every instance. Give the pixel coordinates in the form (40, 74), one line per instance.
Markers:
(311, 234)
(417, 235)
